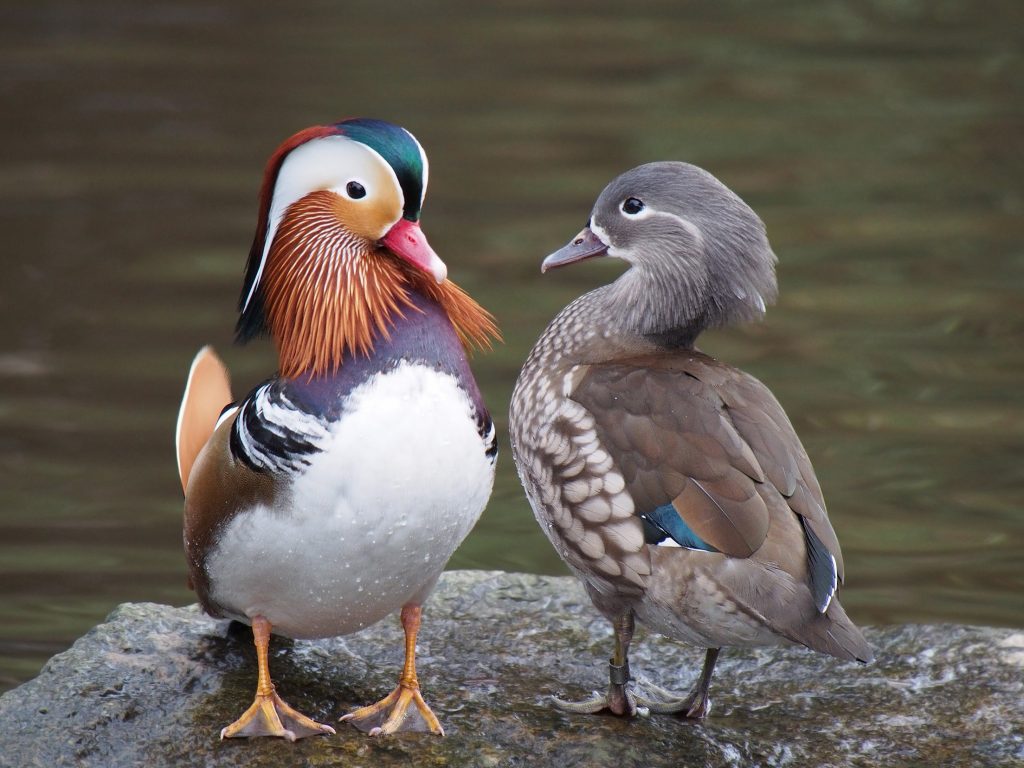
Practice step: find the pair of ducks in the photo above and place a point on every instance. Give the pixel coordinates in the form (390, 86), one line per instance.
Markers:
(334, 493)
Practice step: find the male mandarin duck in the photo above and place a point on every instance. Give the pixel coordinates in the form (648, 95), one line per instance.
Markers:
(672, 484)
(334, 493)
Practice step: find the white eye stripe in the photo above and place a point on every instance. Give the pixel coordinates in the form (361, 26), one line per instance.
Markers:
(644, 213)
(648, 212)
(629, 254)
(312, 166)
(686, 224)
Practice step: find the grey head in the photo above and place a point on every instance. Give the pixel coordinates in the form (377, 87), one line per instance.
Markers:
(698, 254)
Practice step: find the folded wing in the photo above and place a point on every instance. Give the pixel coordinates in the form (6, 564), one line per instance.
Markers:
(207, 392)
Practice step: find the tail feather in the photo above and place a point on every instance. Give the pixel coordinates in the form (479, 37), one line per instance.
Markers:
(833, 633)
(207, 391)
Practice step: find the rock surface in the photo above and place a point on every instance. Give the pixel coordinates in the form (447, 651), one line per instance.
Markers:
(153, 686)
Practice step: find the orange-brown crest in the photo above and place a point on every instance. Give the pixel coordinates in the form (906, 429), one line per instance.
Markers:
(327, 292)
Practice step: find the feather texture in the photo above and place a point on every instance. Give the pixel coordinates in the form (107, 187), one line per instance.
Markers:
(326, 294)
(703, 467)
(721, 538)
(207, 392)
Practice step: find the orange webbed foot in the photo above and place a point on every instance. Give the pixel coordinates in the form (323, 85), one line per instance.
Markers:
(404, 708)
(270, 715)
(401, 710)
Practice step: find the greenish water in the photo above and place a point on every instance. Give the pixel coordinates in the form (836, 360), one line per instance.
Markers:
(881, 143)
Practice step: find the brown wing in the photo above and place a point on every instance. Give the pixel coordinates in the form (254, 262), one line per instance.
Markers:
(709, 440)
(761, 422)
(221, 487)
(207, 391)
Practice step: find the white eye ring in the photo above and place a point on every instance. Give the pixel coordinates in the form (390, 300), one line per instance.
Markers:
(631, 206)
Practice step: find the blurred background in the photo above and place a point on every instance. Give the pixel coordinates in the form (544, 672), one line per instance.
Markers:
(881, 142)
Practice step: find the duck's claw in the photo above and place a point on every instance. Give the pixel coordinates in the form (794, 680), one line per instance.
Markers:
(394, 714)
(694, 706)
(619, 700)
(622, 703)
(625, 702)
(270, 715)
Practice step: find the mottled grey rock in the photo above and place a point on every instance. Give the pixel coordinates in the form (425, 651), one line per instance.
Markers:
(153, 686)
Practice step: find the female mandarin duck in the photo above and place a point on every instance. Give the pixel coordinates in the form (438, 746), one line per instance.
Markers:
(335, 492)
(672, 484)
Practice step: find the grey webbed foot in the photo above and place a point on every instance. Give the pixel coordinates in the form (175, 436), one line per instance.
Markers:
(695, 705)
(618, 700)
(623, 705)
(647, 698)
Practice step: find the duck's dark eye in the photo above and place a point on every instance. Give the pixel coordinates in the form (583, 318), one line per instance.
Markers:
(355, 190)
(632, 205)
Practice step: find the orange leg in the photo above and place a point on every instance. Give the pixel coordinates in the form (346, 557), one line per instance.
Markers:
(391, 714)
(269, 715)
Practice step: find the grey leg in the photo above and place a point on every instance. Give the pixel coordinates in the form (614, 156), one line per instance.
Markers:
(695, 705)
(618, 700)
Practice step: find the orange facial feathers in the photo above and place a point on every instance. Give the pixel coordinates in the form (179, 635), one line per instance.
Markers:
(328, 292)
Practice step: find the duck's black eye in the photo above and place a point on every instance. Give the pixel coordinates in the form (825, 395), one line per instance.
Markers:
(632, 205)
(355, 190)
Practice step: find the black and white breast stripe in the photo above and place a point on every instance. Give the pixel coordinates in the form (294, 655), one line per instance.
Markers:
(488, 433)
(273, 434)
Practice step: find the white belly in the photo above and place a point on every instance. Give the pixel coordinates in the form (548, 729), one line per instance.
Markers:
(370, 524)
